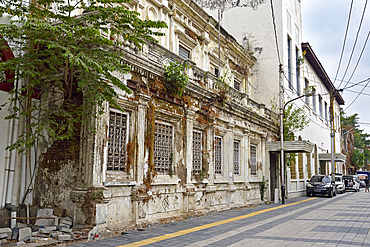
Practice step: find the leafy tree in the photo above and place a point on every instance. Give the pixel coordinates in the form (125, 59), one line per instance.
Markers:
(358, 158)
(69, 56)
(294, 120)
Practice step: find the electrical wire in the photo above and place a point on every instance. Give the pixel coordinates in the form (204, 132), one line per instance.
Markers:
(344, 42)
(354, 44)
(358, 95)
(358, 60)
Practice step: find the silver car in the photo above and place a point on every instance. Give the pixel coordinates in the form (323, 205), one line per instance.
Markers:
(339, 183)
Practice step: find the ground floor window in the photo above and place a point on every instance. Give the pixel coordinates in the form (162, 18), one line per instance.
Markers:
(218, 155)
(117, 141)
(237, 157)
(197, 151)
(163, 143)
(253, 159)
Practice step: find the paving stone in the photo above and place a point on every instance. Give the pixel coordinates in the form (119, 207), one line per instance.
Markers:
(67, 230)
(47, 212)
(45, 230)
(66, 221)
(6, 231)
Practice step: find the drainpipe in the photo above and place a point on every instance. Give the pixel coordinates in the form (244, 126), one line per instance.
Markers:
(10, 175)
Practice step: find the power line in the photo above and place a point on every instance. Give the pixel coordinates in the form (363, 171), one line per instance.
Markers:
(344, 41)
(354, 44)
(356, 84)
(358, 60)
(358, 95)
(365, 94)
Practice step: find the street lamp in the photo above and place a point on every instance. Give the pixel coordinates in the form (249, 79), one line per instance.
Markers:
(282, 114)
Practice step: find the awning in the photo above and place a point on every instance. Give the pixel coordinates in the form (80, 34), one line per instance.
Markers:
(291, 146)
(338, 157)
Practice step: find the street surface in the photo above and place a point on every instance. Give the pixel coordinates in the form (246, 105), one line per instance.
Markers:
(343, 220)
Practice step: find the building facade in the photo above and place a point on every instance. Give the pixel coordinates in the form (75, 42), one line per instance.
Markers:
(166, 156)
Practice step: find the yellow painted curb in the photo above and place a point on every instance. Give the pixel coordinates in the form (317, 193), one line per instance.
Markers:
(198, 228)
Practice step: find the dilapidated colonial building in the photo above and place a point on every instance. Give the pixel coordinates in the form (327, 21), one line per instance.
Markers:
(166, 156)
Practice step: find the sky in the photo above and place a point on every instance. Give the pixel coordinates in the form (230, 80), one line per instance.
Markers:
(324, 24)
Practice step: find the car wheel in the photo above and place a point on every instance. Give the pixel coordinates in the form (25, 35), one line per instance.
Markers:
(330, 194)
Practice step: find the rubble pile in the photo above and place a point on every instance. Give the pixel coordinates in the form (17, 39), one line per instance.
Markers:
(44, 230)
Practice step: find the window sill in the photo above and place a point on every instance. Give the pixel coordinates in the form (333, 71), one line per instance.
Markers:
(120, 183)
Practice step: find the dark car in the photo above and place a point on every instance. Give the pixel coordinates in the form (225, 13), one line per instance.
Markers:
(320, 185)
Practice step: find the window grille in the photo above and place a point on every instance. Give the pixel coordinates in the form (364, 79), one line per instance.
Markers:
(236, 157)
(253, 159)
(117, 141)
(197, 152)
(184, 53)
(163, 155)
(218, 155)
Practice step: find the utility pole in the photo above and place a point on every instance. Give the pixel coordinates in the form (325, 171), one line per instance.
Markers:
(282, 164)
(332, 134)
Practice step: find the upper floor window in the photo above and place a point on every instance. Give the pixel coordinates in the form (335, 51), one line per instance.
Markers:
(184, 53)
(326, 111)
(218, 154)
(314, 100)
(237, 84)
(253, 159)
(320, 106)
(297, 71)
(290, 63)
(197, 151)
(306, 89)
(118, 137)
(163, 143)
(289, 22)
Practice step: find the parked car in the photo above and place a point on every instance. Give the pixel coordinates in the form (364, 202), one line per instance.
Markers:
(351, 182)
(320, 185)
(339, 183)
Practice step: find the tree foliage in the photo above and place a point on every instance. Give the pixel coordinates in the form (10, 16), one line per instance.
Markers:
(358, 158)
(69, 56)
(294, 120)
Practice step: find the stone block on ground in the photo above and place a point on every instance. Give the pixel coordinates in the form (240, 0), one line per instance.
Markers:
(66, 221)
(6, 231)
(55, 234)
(47, 212)
(64, 237)
(24, 234)
(67, 230)
(20, 243)
(45, 230)
(52, 228)
(3, 236)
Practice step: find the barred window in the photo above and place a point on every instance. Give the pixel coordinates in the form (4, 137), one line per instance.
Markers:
(163, 155)
(218, 155)
(117, 141)
(197, 151)
(253, 159)
(236, 157)
(237, 84)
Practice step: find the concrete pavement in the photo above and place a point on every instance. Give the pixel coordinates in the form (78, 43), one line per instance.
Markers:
(343, 220)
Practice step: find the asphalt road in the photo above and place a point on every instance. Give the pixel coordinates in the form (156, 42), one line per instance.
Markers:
(343, 220)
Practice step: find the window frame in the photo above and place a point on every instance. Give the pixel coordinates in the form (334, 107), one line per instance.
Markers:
(185, 49)
(201, 149)
(166, 172)
(126, 141)
(289, 46)
(221, 155)
(238, 173)
(250, 159)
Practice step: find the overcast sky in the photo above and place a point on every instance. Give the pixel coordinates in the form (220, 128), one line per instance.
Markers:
(324, 26)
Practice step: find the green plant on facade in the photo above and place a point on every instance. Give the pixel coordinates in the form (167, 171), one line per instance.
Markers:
(68, 61)
(263, 186)
(222, 85)
(175, 79)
